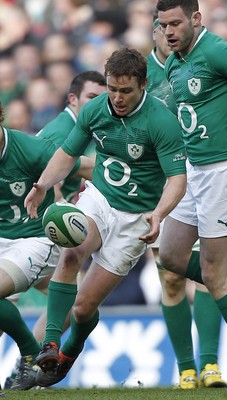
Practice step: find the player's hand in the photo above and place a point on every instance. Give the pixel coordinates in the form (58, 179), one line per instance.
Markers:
(33, 199)
(151, 237)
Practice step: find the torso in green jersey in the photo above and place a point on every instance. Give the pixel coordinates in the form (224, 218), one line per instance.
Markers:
(134, 154)
(58, 130)
(158, 84)
(23, 159)
(199, 84)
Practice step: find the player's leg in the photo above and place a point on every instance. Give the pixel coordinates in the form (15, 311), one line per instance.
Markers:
(177, 240)
(175, 250)
(185, 230)
(208, 322)
(96, 285)
(210, 191)
(178, 318)
(62, 290)
(11, 321)
(179, 233)
(62, 293)
(20, 266)
(39, 328)
(214, 261)
(14, 325)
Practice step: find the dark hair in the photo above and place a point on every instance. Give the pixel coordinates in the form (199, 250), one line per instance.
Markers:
(129, 62)
(188, 6)
(79, 80)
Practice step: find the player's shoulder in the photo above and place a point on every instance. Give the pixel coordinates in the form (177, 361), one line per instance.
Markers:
(29, 140)
(211, 44)
(157, 112)
(211, 52)
(154, 102)
(212, 38)
(62, 118)
(19, 136)
(24, 143)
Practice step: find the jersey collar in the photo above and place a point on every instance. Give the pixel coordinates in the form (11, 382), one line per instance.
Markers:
(153, 54)
(138, 107)
(201, 34)
(5, 134)
(71, 113)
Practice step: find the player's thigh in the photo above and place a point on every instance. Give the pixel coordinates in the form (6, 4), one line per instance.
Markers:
(7, 285)
(72, 259)
(176, 242)
(27, 261)
(213, 255)
(42, 285)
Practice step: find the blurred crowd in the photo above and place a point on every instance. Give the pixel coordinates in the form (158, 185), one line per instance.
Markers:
(45, 43)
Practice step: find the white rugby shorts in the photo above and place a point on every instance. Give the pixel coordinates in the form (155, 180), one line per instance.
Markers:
(119, 230)
(28, 261)
(205, 202)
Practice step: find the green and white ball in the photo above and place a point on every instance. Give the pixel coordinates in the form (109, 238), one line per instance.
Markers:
(64, 224)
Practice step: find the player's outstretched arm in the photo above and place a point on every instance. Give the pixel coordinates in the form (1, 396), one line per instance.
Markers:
(56, 170)
(173, 192)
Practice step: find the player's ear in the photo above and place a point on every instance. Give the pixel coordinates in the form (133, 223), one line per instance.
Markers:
(196, 18)
(143, 85)
(72, 99)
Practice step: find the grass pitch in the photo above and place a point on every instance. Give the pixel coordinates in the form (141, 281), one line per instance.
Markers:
(118, 394)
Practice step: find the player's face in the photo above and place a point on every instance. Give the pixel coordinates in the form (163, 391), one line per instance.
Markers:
(161, 43)
(178, 29)
(124, 93)
(90, 90)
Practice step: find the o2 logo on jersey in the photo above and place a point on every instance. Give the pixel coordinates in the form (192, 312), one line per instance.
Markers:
(194, 85)
(18, 188)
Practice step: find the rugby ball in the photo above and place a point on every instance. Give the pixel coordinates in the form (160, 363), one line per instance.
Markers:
(64, 224)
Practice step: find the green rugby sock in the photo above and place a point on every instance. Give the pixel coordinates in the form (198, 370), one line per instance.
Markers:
(208, 321)
(79, 333)
(178, 319)
(193, 271)
(13, 324)
(222, 305)
(61, 297)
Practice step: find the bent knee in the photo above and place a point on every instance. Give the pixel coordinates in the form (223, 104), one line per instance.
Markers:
(172, 284)
(72, 258)
(83, 311)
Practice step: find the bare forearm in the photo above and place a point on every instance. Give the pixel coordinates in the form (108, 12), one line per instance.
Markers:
(57, 169)
(173, 192)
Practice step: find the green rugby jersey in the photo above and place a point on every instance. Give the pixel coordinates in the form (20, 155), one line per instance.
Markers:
(58, 130)
(134, 154)
(157, 83)
(22, 161)
(199, 85)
